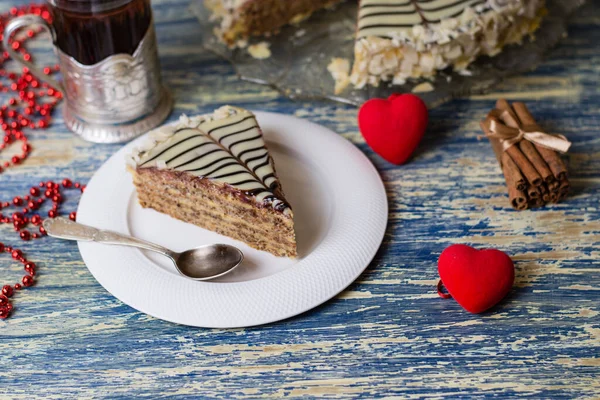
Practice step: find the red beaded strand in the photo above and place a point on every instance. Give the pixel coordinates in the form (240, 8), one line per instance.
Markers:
(30, 106)
(31, 102)
(21, 222)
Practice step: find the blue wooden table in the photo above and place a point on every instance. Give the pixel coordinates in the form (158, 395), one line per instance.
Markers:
(388, 334)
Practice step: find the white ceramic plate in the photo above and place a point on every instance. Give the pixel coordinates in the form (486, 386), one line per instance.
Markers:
(340, 214)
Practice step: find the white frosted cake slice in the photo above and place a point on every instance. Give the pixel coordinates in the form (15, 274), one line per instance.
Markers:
(215, 171)
(401, 39)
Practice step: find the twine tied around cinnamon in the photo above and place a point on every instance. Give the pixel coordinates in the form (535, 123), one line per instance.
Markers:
(514, 132)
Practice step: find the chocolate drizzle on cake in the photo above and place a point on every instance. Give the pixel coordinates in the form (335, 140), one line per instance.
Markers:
(383, 18)
(226, 147)
(420, 12)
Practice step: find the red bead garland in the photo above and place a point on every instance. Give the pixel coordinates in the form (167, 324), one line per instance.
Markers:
(30, 106)
(7, 290)
(21, 221)
(32, 101)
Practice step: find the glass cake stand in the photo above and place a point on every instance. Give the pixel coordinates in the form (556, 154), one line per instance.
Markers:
(301, 53)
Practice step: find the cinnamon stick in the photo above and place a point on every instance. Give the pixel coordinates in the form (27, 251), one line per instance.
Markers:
(545, 193)
(518, 113)
(536, 159)
(555, 163)
(514, 179)
(518, 199)
(553, 186)
(535, 203)
(564, 185)
(526, 167)
(563, 189)
(563, 195)
(502, 105)
(533, 192)
(512, 174)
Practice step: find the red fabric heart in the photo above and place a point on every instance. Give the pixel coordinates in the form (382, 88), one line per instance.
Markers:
(393, 127)
(476, 279)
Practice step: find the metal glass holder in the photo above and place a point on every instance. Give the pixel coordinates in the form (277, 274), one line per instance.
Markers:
(111, 101)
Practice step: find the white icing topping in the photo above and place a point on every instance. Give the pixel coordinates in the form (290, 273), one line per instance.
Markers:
(447, 33)
(427, 21)
(226, 146)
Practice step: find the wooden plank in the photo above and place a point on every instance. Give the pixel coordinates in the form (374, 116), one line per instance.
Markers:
(388, 334)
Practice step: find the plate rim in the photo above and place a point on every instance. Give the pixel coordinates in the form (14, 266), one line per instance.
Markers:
(372, 249)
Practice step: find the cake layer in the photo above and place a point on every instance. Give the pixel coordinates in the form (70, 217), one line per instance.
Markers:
(213, 206)
(241, 19)
(401, 39)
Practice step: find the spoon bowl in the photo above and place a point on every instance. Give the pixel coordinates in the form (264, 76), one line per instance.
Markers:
(207, 262)
(200, 264)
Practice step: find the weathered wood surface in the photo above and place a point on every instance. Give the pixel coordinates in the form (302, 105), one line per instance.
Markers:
(388, 334)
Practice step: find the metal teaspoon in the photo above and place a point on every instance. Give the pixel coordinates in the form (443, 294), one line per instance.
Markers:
(201, 263)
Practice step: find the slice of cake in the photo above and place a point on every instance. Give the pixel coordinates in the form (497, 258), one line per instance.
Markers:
(401, 39)
(215, 171)
(241, 19)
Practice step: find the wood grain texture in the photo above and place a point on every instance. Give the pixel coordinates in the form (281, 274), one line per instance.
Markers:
(388, 334)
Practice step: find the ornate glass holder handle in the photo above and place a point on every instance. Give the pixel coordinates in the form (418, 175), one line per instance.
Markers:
(23, 22)
(114, 100)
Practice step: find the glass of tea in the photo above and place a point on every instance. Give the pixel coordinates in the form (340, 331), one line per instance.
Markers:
(109, 63)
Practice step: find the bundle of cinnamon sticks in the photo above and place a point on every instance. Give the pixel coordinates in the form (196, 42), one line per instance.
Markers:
(534, 172)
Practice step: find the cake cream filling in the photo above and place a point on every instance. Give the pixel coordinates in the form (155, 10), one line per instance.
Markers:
(401, 39)
(226, 146)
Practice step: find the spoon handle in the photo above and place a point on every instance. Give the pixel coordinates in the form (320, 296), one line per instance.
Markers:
(64, 228)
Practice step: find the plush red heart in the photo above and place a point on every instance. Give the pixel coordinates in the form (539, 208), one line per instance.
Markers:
(393, 127)
(476, 279)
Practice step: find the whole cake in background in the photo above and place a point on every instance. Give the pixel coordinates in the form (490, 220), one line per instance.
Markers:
(215, 171)
(396, 39)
